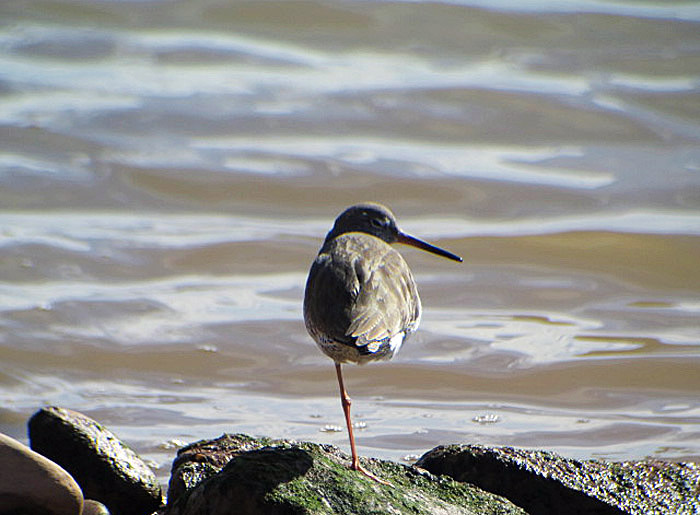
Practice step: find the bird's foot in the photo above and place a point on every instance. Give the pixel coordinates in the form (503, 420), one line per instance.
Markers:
(361, 469)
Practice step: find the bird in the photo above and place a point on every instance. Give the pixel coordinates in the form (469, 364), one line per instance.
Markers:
(361, 301)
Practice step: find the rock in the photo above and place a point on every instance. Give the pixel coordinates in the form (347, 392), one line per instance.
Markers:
(91, 507)
(544, 483)
(30, 483)
(201, 460)
(241, 475)
(105, 468)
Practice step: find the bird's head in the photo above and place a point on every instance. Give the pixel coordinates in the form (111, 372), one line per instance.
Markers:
(369, 218)
(379, 221)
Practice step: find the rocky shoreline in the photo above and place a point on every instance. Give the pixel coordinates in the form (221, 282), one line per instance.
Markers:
(76, 466)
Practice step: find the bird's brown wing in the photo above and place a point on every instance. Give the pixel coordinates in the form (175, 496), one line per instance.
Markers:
(359, 291)
(386, 304)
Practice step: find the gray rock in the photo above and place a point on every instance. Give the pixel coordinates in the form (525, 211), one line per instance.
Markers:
(544, 483)
(105, 468)
(241, 475)
(31, 483)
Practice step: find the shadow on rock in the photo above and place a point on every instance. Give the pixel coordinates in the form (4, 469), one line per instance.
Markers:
(244, 484)
(268, 467)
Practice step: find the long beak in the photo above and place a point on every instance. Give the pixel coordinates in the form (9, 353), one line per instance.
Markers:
(407, 239)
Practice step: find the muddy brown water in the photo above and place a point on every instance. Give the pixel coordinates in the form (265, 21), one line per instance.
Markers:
(168, 171)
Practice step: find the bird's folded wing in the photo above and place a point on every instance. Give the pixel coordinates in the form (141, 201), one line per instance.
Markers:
(385, 304)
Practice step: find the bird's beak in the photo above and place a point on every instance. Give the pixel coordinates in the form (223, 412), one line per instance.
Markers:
(407, 239)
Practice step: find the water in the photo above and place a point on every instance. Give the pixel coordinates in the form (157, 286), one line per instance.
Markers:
(168, 171)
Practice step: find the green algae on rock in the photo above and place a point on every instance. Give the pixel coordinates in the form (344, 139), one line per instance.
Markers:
(283, 477)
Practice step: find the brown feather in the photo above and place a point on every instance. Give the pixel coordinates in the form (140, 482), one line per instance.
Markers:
(363, 292)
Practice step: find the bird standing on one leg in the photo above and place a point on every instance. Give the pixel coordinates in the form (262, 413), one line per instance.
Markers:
(361, 301)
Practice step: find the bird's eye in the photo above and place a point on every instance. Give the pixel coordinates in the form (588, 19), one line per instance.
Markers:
(376, 223)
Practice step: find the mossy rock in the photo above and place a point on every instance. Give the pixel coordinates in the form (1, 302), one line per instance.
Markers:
(543, 482)
(283, 477)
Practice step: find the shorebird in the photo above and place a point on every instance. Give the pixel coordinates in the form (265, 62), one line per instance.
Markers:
(361, 301)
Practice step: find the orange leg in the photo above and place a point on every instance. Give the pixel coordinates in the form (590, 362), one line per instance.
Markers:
(345, 403)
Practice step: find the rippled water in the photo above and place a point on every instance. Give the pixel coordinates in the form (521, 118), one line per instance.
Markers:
(168, 171)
